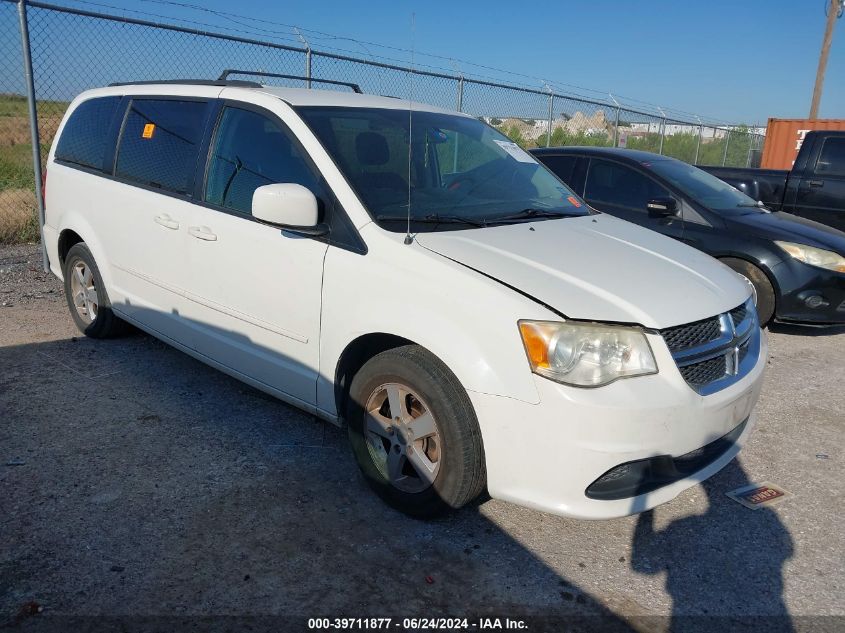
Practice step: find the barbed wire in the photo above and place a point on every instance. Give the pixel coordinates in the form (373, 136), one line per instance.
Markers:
(248, 25)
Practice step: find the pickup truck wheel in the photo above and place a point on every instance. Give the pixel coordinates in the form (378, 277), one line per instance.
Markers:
(86, 295)
(414, 433)
(764, 293)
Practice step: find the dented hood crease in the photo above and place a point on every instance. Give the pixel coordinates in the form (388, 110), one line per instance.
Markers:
(597, 268)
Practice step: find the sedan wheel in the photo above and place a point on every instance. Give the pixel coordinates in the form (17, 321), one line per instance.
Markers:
(752, 286)
(762, 290)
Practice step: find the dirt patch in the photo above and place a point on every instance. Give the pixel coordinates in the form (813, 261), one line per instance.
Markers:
(23, 280)
(18, 219)
(14, 130)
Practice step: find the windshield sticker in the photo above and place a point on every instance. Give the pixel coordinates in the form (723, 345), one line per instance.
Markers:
(515, 151)
(574, 202)
(149, 128)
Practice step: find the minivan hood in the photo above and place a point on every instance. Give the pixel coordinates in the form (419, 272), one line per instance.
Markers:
(791, 228)
(598, 268)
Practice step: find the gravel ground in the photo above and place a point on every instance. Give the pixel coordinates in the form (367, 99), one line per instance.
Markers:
(135, 481)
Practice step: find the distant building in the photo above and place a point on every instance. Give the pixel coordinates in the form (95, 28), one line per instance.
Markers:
(707, 133)
(597, 123)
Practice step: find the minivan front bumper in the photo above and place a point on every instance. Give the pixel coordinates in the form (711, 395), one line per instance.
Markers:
(547, 455)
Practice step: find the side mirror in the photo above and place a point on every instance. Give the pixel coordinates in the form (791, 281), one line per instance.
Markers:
(662, 207)
(288, 206)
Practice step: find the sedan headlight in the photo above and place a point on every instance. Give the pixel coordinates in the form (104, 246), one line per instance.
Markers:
(814, 256)
(586, 354)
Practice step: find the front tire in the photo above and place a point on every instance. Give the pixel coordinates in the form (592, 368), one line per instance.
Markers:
(414, 433)
(86, 295)
(764, 292)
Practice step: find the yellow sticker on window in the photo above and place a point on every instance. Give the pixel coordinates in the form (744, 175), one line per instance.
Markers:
(149, 128)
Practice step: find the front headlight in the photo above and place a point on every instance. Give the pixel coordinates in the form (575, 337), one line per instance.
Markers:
(586, 354)
(814, 256)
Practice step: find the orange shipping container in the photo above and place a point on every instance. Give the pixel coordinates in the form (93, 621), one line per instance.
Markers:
(784, 138)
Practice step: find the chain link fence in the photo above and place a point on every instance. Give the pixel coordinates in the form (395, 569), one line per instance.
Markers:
(73, 50)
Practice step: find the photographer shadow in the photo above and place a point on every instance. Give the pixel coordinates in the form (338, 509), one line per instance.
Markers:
(727, 561)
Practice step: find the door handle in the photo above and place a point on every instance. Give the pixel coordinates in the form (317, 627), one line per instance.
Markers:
(166, 221)
(816, 183)
(202, 233)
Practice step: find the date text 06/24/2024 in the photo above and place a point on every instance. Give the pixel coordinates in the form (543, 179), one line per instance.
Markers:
(434, 624)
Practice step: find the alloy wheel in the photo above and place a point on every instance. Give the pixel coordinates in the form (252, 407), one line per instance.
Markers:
(84, 291)
(403, 439)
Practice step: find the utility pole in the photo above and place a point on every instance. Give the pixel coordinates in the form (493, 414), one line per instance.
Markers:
(834, 10)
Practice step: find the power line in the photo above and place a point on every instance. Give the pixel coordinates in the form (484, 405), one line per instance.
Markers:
(315, 34)
(244, 26)
(191, 22)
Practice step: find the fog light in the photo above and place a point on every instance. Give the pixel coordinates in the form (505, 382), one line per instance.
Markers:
(815, 301)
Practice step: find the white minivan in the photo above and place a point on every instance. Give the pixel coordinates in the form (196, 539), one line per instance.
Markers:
(412, 273)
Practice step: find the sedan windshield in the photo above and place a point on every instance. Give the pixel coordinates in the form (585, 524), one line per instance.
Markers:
(462, 172)
(704, 188)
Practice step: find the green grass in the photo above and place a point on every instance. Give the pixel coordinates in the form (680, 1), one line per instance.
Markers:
(16, 105)
(16, 167)
(18, 221)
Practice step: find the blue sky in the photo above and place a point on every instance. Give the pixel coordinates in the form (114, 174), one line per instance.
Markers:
(727, 60)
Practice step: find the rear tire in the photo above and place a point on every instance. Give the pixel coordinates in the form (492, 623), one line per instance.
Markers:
(763, 289)
(430, 460)
(86, 295)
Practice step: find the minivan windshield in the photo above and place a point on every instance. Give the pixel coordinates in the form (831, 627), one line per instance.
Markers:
(704, 188)
(462, 172)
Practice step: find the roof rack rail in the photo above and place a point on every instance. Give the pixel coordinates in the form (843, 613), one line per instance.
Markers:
(192, 82)
(231, 71)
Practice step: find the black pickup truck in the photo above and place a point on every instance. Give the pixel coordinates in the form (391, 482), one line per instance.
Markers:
(814, 188)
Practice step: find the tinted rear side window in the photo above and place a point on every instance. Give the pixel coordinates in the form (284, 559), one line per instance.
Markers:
(160, 143)
(83, 140)
(615, 184)
(832, 158)
(562, 166)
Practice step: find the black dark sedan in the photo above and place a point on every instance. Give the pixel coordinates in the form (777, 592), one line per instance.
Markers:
(797, 266)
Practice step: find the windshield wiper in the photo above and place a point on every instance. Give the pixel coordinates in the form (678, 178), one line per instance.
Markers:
(759, 206)
(433, 219)
(529, 214)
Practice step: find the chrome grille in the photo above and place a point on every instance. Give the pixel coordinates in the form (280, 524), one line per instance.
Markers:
(743, 352)
(684, 336)
(738, 314)
(714, 353)
(705, 372)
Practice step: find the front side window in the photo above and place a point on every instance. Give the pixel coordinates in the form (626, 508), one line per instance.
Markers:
(159, 145)
(84, 137)
(251, 150)
(453, 168)
(831, 160)
(615, 184)
(703, 187)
